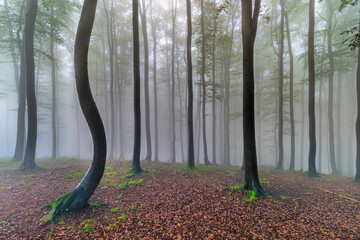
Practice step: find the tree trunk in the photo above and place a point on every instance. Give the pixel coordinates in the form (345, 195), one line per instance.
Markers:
(249, 27)
(136, 168)
(331, 90)
(214, 90)
(156, 129)
(53, 86)
(173, 135)
(281, 89)
(29, 157)
(206, 159)
(338, 120)
(357, 175)
(20, 134)
(109, 27)
(79, 196)
(191, 162)
(146, 82)
(312, 126)
(291, 95)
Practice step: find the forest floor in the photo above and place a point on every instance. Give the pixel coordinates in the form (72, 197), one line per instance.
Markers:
(168, 201)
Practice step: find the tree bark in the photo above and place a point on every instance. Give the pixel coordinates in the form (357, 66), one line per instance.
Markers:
(214, 89)
(357, 130)
(331, 90)
(173, 135)
(190, 129)
(249, 27)
(136, 168)
(146, 81)
(78, 198)
(53, 86)
(156, 128)
(20, 127)
(281, 89)
(291, 95)
(206, 159)
(312, 126)
(29, 157)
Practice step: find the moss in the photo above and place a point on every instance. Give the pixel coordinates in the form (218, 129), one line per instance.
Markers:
(60, 201)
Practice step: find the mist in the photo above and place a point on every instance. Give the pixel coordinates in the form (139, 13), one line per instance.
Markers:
(73, 136)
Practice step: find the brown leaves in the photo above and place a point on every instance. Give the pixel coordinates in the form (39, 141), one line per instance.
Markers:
(176, 204)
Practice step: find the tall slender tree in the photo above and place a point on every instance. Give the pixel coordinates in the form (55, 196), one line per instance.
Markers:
(250, 16)
(136, 168)
(173, 136)
(190, 128)
(281, 88)
(311, 62)
(146, 80)
(78, 198)
(331, 87)
(29, 157)
(203, 85)
(291, 93)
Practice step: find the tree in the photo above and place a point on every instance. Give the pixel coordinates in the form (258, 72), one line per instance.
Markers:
(206, 159)
(173, 136)
(191, 162)
(281, 88)
(354, 42)
(78, 198)
(29, 157)
(331, 88)
(136, 168)
(311, 62)
(291, 94)
(249, 27)
(146, 81)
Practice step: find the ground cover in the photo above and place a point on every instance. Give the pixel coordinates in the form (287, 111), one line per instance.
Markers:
(168, 201)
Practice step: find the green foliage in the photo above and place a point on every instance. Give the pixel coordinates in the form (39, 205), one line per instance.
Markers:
(120, 196)
(236, 187)
(96, 205)
(122, 218)
(133, 207)
(88, 226)
(52, 205)
(331, 179)
(129, 184)
(114, 209)
(251, 196)
(283, 197)
(61, 222)
(264, 181)
(75, 174)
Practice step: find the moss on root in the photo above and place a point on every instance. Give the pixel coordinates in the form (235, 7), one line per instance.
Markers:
(65, 203)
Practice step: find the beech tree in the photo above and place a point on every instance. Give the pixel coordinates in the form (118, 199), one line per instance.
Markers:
(311, 62)
(137, 109)
(249, 22)
(78, 198)
(191, 162)
(29, 156)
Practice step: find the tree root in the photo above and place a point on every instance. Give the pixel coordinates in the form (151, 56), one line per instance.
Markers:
(68, 202)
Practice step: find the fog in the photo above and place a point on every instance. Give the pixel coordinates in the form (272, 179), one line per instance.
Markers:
(74, 140)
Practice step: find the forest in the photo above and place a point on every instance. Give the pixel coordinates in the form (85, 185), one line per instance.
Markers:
(204, 119)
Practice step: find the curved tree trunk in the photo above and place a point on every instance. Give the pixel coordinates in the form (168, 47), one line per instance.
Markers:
(249, 27)
(78, 198)
(137, 108)
(29, 157)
